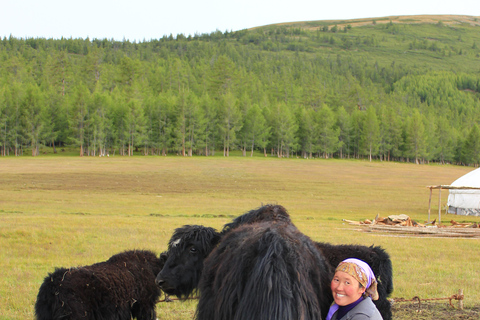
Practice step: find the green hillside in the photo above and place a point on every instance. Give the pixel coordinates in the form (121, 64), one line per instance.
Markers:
(394, 88)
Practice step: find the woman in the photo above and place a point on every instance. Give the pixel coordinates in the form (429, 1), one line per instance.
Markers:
(353, 288)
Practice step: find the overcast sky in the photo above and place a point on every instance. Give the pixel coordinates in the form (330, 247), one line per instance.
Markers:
(138, 20)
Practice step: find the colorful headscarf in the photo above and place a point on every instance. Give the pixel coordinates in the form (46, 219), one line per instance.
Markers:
(362, 272)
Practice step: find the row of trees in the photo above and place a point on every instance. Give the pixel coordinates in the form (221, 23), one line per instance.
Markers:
(186, 124)
(197, 97)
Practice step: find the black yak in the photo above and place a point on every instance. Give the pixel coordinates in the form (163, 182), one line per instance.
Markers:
(183, 269)
(376, 257)
(121, 288)
(191, 244)
(265, 270)
(187, 249)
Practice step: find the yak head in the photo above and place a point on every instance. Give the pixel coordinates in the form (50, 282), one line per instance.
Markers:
(187, 249)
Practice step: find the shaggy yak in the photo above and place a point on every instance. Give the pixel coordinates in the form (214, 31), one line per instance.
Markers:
(120, 288)
(375, 256)
(264, 271)
(190, 245)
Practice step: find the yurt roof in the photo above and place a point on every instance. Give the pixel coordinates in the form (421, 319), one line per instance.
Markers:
(471, 179)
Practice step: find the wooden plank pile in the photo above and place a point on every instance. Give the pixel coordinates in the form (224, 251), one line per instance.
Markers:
(405, 221)
(403, 224)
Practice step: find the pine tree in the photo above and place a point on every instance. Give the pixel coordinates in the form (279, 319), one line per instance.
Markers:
(446, 138)
(229, 121)
(284, 129)
(256, 129)
(415, 140)
(370, 133)
(390, 133)
(78, 115)
(471, 147)
(33, 117)
(343, 125)
(307, 130)
(135, 122)
(209, 111)
(327, 133)
(3, 123)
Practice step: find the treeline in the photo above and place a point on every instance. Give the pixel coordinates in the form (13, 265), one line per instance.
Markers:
(225, 91)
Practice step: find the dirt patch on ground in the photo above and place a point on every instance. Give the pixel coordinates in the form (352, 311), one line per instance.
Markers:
(433, 311)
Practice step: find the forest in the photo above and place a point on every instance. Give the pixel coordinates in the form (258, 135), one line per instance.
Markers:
(383, 90)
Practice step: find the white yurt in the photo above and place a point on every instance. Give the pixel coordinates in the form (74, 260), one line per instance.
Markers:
(464, 199)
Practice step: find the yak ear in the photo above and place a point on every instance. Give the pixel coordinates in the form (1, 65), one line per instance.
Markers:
(215, 239)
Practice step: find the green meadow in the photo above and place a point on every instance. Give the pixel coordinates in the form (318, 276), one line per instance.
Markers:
(71, 211)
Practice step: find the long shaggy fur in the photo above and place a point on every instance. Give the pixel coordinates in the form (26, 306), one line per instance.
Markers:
(269, 212)
(266, 270)
(375, 256)
(121, 288)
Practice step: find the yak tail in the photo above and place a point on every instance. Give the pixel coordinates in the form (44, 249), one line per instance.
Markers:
(279, 286)
(268, 289)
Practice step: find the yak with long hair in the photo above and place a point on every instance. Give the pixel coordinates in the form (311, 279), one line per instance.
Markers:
(121, 288)
(378, 259)
(191, 245)
(264, 271)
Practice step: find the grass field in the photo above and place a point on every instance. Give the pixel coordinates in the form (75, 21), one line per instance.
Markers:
(72, 211)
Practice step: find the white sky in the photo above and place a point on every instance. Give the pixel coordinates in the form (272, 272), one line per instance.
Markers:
(152, 19)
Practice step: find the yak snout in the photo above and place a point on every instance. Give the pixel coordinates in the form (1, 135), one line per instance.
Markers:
(159, 281)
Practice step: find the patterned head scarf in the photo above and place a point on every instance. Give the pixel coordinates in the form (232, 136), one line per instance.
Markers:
(362, 272)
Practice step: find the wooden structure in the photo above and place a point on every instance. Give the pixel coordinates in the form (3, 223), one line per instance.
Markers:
(440, 187)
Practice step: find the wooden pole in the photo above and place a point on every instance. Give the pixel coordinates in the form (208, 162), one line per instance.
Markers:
(460, 301)
(429, 203)
(440, 205)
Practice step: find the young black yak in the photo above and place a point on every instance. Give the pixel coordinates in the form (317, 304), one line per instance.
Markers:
(121, 288)
(264, 271)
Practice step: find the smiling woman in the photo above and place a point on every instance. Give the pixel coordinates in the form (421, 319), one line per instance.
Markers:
(353, 287)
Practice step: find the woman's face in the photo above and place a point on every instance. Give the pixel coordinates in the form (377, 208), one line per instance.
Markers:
(345, 288)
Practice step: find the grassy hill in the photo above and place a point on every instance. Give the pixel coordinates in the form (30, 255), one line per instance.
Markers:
(408, 19)
(438, 42)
